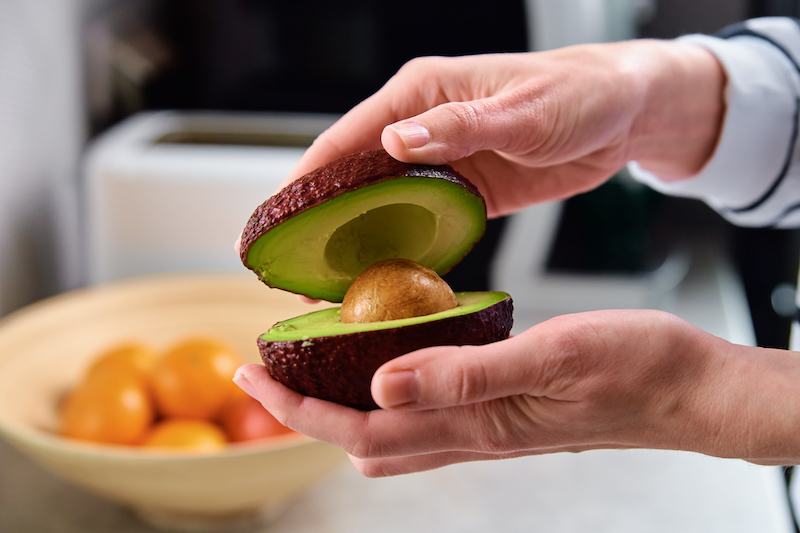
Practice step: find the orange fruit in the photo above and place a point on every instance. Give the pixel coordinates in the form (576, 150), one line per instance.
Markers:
(245, 419)
(132, 357)
(111, 408)
(193, 379)
(197, 436)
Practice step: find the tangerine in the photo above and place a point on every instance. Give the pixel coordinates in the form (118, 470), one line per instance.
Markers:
(188, 435)
(114, 408)
(128, 357)
(193, 379)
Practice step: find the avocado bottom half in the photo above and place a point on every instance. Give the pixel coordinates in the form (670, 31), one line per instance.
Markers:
(318, 355)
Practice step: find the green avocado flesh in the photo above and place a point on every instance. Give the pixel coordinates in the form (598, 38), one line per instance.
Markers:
(326, 323)
(319, 251)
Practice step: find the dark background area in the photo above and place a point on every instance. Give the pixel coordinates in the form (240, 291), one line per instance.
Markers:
(313, 56)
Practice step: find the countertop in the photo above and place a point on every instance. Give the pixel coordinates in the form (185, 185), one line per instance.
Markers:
(638, 491)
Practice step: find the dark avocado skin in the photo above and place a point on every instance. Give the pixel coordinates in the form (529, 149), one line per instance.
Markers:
(342, 175)
(340, 368)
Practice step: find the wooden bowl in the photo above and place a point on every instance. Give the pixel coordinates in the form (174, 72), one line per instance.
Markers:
(45, 348)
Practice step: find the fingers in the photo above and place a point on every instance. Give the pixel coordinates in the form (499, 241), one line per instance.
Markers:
(455, 130)
(447, 376)
(434, 136)
(360, 433)
(492, 429)
(395, 466)
(237, 246)
(525, 394)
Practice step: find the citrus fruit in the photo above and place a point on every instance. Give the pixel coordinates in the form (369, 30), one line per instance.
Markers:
(187, 435)
(128, 357)
(114, 408)
(193, 379)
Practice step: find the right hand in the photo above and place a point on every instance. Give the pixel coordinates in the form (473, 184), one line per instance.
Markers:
(534, 127)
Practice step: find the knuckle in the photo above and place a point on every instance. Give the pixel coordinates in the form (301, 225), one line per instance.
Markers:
(464, 126)
(473, 382)
(568, 353)
(420, 66)
(466, 116)
(365, 448)
(374, 469)
(570, 336)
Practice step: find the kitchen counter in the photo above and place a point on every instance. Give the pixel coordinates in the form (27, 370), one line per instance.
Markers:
(639, 491)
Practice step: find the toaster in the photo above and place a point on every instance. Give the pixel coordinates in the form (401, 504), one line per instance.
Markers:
(170, 191)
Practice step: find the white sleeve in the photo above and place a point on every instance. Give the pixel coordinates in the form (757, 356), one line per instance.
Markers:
(753, 177)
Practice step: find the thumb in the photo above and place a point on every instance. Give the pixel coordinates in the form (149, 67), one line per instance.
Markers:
(455, 130)
(447, 376)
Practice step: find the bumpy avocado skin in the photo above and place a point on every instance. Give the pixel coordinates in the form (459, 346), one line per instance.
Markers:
(340, 368)
(340, 176)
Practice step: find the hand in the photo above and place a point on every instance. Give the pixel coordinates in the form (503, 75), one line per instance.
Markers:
(607, 379)
(533, 127)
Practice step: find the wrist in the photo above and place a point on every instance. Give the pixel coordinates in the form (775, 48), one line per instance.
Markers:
(763, 407)
(680, 120)
(746, 405)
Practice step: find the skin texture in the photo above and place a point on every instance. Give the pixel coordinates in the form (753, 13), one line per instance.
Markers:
(396, 288)
(339, 368)
(527, 128)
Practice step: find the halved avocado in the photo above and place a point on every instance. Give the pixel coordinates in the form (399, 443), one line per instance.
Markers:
(320, 356)
(318, 234)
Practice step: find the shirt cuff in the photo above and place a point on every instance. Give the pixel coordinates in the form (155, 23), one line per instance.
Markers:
(757, 130)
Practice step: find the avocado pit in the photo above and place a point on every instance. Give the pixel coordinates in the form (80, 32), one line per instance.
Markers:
(393, 289)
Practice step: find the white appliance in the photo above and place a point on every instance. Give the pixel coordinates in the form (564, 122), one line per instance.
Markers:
(170, 191)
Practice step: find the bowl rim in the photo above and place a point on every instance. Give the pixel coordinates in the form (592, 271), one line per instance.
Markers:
(125, 284)
(54, 443)
(15, 432)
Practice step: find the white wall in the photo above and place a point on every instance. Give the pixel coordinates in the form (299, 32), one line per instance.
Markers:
(41, 134)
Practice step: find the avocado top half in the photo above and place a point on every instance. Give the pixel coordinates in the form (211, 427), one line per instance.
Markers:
(315, 236)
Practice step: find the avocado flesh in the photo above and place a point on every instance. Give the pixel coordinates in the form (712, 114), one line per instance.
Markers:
(319, 251)
(326, 322)
(319, 356)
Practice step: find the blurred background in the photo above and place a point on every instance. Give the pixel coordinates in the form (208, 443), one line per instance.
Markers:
(137, 136)
(72, 211)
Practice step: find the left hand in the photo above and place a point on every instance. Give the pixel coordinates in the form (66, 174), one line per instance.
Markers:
(606, 379)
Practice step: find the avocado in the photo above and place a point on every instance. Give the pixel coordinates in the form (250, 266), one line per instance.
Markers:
(318, 233)
(367, 216)
(319, 355)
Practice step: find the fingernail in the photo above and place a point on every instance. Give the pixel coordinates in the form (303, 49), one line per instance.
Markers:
(245, 385)
(412, 134)
(398, 388)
